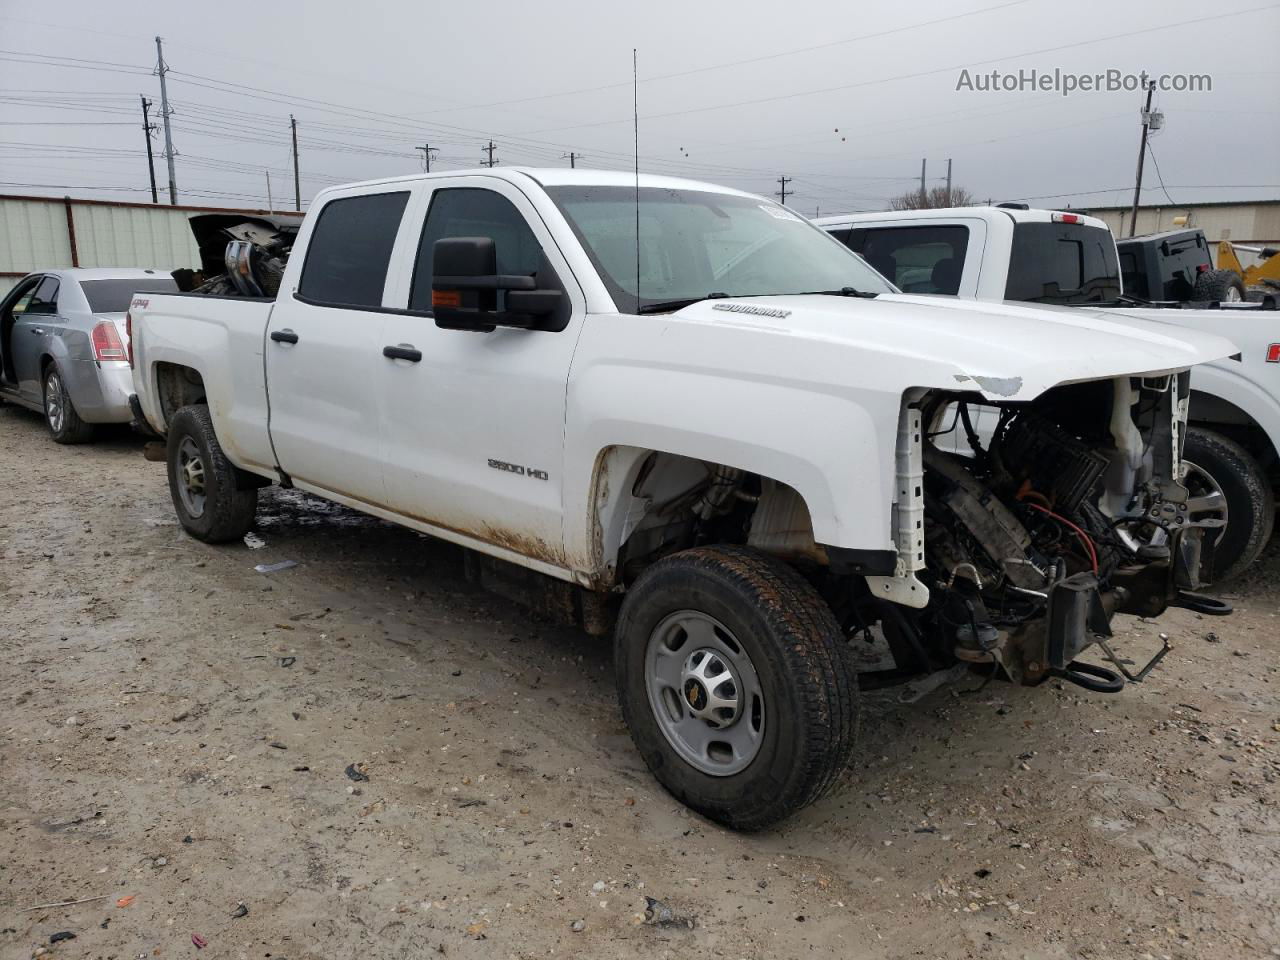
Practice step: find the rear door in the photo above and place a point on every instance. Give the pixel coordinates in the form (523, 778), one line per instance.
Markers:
(324, 347)
(474, 430)
(31, 333)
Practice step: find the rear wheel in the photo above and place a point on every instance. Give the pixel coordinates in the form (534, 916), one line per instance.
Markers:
(60, 413)
(1226, 483)
(732, 676)
(205, 486)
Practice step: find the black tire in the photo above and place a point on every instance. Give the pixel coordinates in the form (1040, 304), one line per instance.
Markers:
(226, 512)
(1218, 285)
(60, 414)
(798, 654)
(1249, 499)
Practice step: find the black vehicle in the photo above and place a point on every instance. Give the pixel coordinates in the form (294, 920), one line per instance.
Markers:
(1175, 266)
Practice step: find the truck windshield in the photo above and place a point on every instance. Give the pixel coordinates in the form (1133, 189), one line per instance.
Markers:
(696, 244)
(1062, 263)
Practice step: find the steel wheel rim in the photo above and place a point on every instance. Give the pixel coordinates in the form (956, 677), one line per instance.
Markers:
(191, 486)
(1233, 295)
(704, 693)
(54, 405)
(1206, 501)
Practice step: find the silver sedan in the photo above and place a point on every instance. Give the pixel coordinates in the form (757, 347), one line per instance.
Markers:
(64, 349)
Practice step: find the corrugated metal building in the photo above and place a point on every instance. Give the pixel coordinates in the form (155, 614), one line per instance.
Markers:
(1251, 222)
(40, 233)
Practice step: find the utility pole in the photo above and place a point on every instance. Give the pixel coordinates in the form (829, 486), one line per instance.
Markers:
(147, 129)
(297, 187)
(427, 151)
(924, 192)
(948, 181)
(1142, 154)
(165, 111)
(489, 150)
(573, 158)
(783, 181)
(270, 203)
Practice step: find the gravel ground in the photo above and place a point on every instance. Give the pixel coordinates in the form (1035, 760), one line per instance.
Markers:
(178, 734)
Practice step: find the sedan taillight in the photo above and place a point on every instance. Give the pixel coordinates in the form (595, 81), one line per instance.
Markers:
(106, 342)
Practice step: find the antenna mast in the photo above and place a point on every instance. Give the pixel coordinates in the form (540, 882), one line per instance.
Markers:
(635, 114)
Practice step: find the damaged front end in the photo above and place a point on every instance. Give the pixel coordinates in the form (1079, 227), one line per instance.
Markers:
(1028, 525)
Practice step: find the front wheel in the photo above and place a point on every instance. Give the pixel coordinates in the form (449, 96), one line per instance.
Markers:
(1226, 483)
(732, 677)
(204, 484)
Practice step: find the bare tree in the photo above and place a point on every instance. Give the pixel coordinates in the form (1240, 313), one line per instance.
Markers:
(935, 198)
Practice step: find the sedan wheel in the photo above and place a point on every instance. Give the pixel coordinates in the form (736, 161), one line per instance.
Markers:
(54, 405)
(60, 413)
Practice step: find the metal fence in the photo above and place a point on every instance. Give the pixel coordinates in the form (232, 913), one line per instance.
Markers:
(41, 233)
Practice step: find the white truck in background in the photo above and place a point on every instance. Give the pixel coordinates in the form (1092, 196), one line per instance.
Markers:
(1012, 253)
(684, 413)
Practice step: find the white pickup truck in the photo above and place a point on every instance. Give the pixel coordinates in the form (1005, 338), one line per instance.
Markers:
(709, 426)
(1052, 257)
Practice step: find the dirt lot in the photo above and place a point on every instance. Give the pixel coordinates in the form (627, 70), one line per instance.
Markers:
(175, 727)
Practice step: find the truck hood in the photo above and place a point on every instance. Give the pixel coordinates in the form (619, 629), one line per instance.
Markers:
(1007, 351)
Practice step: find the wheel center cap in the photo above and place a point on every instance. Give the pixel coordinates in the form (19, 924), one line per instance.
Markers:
(695, 693)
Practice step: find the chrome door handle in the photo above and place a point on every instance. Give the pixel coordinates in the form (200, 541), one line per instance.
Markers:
(37, 330)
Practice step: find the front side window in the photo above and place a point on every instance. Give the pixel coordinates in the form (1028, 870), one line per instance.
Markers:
(1062, 263)
(924, 259)
(350, 250)
(695, 244)
(473, 212)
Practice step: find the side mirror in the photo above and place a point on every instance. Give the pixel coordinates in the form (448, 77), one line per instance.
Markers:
(465, 284)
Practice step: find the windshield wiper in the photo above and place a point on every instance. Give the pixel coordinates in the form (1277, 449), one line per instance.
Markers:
(843, 292)
(669, 306)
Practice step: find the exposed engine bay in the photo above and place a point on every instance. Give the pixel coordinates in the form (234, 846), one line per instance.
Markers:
(1070, 511)
(240, 256)
(1040, 521)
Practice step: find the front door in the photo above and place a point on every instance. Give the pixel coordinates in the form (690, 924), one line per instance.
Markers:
(473, 432)
(324, 348)
(35, 325)
(11, 311)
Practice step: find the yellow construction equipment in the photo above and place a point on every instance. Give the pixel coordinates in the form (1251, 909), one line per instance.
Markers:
(1263, 275)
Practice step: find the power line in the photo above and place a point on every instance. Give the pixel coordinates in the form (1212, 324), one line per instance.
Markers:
(1156, 163)
(775, 98)
(737, 63)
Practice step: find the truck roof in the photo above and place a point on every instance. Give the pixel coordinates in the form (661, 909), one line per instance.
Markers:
(1032, 215)
(557, 177)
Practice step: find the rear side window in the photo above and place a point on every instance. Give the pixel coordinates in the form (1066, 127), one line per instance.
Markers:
(1062, 263)
(1135, 284)
(350, 250)
(113, 296)
(926, 259)
(472, 212)
(45, 299)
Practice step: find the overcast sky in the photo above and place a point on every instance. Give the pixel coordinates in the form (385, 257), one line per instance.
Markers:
(844, 98)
